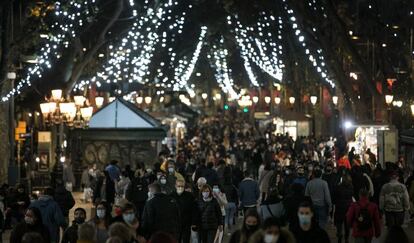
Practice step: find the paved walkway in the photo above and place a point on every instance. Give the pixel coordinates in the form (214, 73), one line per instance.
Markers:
(409, 227)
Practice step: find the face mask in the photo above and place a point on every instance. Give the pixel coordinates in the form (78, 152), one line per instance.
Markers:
(128, 217)
(216, 190)
(171, 170)
(79, 220)
(150, 195)
(180, 190)
(251, 227)
(304, 219)
(100, 213)
(163, 181)
(269, 238)
(206, 195)
(29, 220)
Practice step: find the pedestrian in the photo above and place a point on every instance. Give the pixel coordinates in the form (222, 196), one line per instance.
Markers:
(71, 234)
(396, 234)
(32, 224)
(292, 201)
(101, 221)
(172, 175)
(232, 201)
(161, 213)
(318, 190)
(113, 170)
(272, 232)
(121, 231)
(342, 199)
(307, 230)
(64, 199)
(210, 216)
(162, 237)
(300, 178)
(273, 207)
(364, 218)
(249, 192)
(251, 223)
(137, 191)
(33, 237)
(394, 201)
(51, 213)
(188, 210)
(122, 185)
(108, 187)
(86, 234)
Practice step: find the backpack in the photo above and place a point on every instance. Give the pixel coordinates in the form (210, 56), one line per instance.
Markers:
(364, 219)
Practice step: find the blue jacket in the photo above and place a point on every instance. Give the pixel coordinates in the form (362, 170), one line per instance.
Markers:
(249, 192)
(114, 172)
(51, 214)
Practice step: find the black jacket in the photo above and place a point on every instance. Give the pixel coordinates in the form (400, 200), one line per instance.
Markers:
(315, 234)
(23, 228)
(71, 234)
(231, 193)
(64, 199)
(161, 213)
(137, 191)
(342, 199)
(210, 216)
(188, 209)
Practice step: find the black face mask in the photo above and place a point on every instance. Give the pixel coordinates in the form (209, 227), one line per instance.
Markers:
(79, 220)
(251, 228)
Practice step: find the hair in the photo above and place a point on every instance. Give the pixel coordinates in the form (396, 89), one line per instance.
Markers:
(180, 180)
(272, 221)
(107, 213)
(363, 192)
(251, 212)
(81, 209)
(128, 206)
(86, 232)
(210, 165)
(156, 186)
(37, 214)
(31, 237)
(204, 187)
(49, 191)
(317, 173)
(396, 234)
(113, 162)
(162, 237)
(114, 239)
(120, 230)
(202, 180)
(306, 204)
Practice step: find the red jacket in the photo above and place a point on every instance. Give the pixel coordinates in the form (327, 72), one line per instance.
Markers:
(344, 162)
(353, 213)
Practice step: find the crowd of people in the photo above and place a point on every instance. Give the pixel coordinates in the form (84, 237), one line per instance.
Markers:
(286, 191)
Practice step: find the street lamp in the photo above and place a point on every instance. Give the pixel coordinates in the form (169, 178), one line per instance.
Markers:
(148, 100)
(335, 100)
(267, 99)
(99, 101)
(292, 100)
(277, 100)
(255, 99)
(204, 96)
(139, 100)
(412, 109)
(313, 99)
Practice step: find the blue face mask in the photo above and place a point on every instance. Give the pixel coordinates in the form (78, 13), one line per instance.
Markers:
(128, 217)
(305, 219)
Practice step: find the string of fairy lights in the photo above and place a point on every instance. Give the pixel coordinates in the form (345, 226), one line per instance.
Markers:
(67, 22)
(157, 29)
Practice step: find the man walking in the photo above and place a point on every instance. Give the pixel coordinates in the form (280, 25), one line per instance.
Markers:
(318, 190)
(364, 218)
(249, 192)
(394, 201)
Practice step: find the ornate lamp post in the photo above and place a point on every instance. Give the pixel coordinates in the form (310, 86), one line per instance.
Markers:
(313, 100)
(388, 101)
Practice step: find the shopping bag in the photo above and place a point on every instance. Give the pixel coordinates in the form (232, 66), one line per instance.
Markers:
(194, 236)
(219, 236)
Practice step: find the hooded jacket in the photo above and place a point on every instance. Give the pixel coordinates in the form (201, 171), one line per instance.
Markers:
(284, 237)
(352, 218)
(23, 228)
(51, 214)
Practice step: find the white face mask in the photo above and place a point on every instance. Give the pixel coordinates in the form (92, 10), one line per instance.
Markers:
(100, 213)
(180, 190)
(150, 195)
(163, 181)
(216, 190)
(269, 238)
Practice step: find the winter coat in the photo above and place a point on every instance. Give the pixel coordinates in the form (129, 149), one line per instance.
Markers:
(161, 213)
(315, 234)
(264, 180)
(300, 180)
(352, 218)
(249, 192)
(210, 216)
(284, 237)
(231, 193)
(51, 214)
(64, 199)
(137, 191)
(394, 197)
(332, 180)
(71, 234)
(187, 206)
(20, 229)
(318, 190)
(291, 205)
(342, 199)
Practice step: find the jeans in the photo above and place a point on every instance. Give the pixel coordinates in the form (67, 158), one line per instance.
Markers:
(185, 234)
(340, 226)
(321, 213)
(207, 236)
(230, 213)
(363, 240)
(394, 218)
